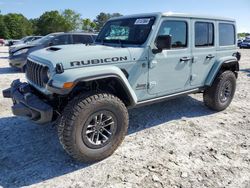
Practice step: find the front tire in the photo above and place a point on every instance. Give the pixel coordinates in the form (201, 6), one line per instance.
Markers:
(219, 96)
(91, 128)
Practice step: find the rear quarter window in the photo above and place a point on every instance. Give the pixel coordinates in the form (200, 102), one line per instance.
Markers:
(226, 34)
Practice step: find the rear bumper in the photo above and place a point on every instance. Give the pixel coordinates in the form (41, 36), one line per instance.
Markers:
(27, 104)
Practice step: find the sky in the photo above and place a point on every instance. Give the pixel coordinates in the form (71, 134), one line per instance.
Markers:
(239, 10)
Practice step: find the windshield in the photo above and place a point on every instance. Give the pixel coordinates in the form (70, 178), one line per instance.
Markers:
(43, 40)
(126, 31)
(247, 40)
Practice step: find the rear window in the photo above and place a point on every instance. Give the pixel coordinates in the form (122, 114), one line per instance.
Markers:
(82, 39)
(226, 34)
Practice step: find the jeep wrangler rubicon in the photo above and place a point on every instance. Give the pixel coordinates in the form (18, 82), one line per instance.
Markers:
(136, 60)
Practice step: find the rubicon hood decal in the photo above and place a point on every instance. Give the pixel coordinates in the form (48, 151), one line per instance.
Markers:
(76, 56)
(98, 61)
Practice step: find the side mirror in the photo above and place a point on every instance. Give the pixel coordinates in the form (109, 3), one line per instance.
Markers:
(163, 42)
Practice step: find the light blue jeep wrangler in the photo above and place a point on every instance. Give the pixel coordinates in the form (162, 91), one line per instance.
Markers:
(136, 60)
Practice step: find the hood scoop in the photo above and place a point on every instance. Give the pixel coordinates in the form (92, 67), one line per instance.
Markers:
(53, 49)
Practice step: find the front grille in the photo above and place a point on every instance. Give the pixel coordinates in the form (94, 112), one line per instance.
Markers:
(34, 72)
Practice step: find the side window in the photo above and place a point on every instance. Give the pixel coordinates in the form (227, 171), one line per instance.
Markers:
(226, 34)
(82, 39)
(29, 39)
(177, 30)
(204, 34)
(61, 40)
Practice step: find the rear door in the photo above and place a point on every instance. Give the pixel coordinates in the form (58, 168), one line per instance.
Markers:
(203, 49)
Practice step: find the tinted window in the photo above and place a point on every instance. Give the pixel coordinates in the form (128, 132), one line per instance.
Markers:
(177, 30)
(82, 39)
(226, 34)
(61, 40)
(37, 38)
(204, 34)
(28, 39)
(44, 40)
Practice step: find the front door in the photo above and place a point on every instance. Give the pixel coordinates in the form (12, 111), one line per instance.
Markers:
(170, 70)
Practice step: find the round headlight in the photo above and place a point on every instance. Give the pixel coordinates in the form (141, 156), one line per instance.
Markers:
(48, 73)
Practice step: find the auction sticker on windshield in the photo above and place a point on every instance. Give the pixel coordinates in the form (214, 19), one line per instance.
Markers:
(144, 21)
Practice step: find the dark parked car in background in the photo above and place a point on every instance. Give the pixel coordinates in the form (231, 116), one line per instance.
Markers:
(23, 40)
(245, 43)
(18, 56)
(239, 41)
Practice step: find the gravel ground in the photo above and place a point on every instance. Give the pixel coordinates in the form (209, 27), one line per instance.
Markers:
(178, 143)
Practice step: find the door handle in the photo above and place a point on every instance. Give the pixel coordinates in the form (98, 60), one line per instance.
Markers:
(210, 56)
(185, 59)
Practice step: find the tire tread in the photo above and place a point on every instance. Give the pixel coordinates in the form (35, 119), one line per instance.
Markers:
(70, 114)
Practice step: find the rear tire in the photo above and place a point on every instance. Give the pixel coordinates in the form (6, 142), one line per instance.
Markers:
(219, 96)
(91, 128)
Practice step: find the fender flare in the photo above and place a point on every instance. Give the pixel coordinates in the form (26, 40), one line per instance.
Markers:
(90, 74)
(230, 61)
(127, 88)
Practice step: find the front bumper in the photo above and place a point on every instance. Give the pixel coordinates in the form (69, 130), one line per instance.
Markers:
(28, 104)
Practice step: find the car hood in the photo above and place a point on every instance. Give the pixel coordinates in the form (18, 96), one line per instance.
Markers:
(17, 47)
(75, 56)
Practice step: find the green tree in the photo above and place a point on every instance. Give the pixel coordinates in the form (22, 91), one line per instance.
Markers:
(72, 18)
(3, 29)
(102, 18)
(33, 23)
(93, 25)
(88, 25)
(51, 22)
(243, 35)
(17, 26)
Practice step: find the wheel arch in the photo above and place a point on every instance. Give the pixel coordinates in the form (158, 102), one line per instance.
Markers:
(223, 64)
(83, 78)
(111, 83)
